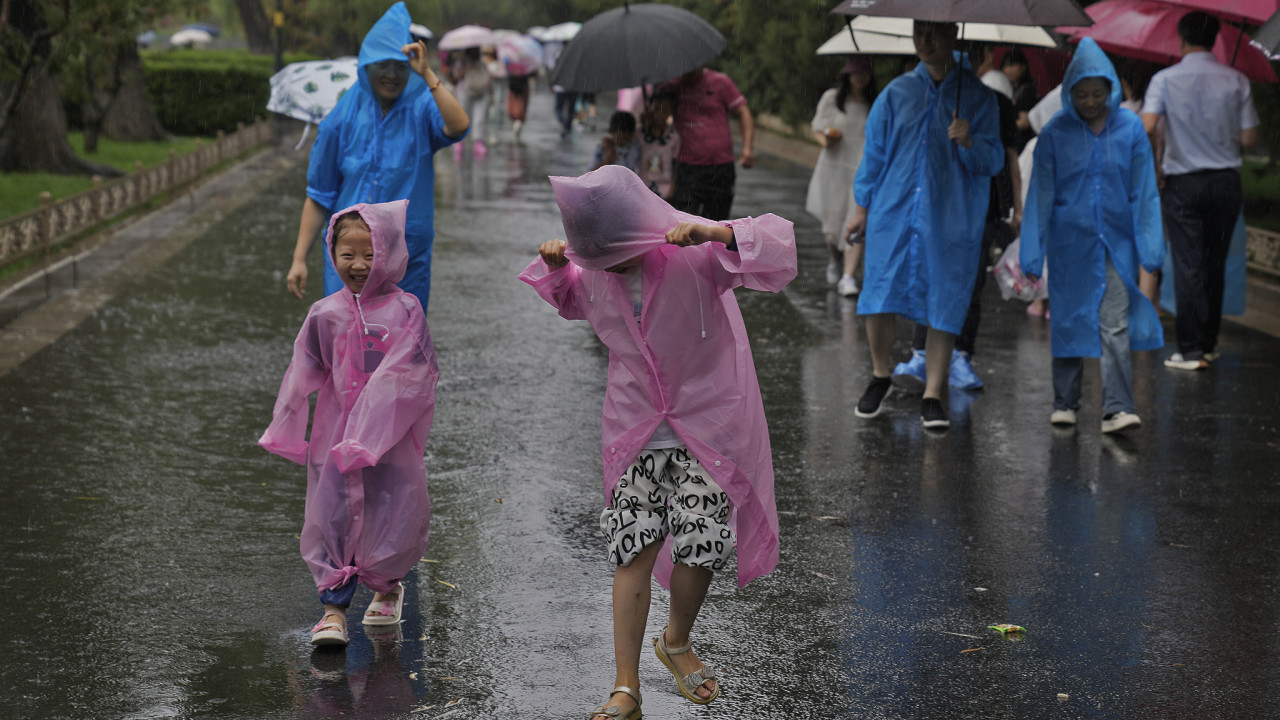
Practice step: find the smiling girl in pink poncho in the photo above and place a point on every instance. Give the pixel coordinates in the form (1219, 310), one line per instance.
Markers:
(367, 351)
(687, 465)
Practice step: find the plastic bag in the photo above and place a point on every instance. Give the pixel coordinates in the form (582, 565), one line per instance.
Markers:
(1013, 284)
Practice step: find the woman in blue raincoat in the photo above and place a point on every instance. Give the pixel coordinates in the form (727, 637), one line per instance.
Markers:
(376, 146)
(1093, 209)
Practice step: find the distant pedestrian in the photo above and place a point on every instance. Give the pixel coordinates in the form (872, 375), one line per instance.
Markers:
(704, 166)
(475, 91)
(519, 87)
(566, 107)
(660, 143)
(1015, 67)
(839, 125)
(1094, 211)
(367, 351)
(620, 146)
(376, 146)
(1209, 119)
(921, 192)
(688, 473)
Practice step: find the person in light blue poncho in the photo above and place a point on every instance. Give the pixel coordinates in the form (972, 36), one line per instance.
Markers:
(1094, 210)
(376, 146)
(932, 146)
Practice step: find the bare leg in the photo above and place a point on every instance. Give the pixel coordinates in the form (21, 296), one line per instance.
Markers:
(688, 590)
(880, 332)
(1149, 283)
(937, 362)
(853, 258)
(631, 595)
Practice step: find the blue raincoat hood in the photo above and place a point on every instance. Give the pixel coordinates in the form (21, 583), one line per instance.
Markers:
(383, 42)
(1090, 62)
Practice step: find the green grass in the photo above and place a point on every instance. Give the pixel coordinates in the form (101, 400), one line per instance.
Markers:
(1261, 196)
(20, 192)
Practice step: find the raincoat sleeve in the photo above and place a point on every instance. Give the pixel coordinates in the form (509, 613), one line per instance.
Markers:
(765, 258)
(1144, 199)
(431, 123)
(558, 286)
(399, 396)
(874, 151)
(287, 434)
(987, 156)
(324, 173)
(1038, 210)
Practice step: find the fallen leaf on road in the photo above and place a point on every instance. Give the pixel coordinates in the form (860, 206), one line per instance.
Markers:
(447, 584)
(428, 560)
(970, 650)
(1007, 629)
(824, 577)
(975, 637)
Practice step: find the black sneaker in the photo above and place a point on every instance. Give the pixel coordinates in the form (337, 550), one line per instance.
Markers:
(873, 399)
(932, 414)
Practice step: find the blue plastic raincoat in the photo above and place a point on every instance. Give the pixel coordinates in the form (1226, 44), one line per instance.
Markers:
(1093, 195)
(362, 156)
(926, 196)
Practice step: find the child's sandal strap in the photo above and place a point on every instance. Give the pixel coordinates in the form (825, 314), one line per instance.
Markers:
(635, 694)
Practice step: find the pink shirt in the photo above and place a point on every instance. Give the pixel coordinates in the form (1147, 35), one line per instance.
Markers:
(702, 118)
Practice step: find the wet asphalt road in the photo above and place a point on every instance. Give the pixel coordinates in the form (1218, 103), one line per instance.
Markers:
(150, 565)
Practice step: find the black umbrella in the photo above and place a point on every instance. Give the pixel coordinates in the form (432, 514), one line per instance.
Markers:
(1268, 36)
(636, 45)
(1006, 12)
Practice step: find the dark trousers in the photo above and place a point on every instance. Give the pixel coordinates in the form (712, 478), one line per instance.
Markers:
(704, 190)
(996, 231)
(565, 102)
(1200, 212)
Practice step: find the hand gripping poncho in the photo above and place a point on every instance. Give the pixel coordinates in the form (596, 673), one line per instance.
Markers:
(372, 362)
(1093, 196)
(688, 361)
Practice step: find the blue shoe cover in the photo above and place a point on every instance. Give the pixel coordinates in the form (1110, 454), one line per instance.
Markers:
(962, 375)
(910, 375)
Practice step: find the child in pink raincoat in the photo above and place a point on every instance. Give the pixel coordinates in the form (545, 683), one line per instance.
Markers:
(367, 351)
(687, 466)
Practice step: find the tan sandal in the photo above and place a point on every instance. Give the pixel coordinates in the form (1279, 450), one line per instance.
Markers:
(690, 683)
(614, 712)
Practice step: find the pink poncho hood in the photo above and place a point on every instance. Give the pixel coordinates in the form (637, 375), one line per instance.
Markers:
(688, 359)
(371, 361)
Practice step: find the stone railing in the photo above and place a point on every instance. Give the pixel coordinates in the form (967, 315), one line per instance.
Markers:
(37, 232)
(1263, 253)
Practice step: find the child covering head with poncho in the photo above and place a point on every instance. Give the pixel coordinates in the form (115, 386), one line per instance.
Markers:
(687, 468)
(367, 351)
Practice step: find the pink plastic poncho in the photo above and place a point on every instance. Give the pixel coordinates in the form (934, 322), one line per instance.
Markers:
(367, 510)
(688, 361)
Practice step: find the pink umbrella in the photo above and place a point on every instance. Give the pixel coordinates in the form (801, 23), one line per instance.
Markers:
(1249, 12)
(1147, 30)
(467, 36)
(520, 53)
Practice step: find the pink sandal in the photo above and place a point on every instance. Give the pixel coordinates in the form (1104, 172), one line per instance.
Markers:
(385, 612)
(330, 633)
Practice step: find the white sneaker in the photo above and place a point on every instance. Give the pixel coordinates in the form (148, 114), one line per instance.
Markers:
(833, 272)
(1115, 422)
(1177, 361)
(516, 127)
(847, 287)
(1063, 417)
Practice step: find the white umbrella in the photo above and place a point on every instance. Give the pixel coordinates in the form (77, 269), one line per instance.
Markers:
(981, 32)
(867, 43)
(190, 37)
(420, 32)
(309, 90)
(564, 32)
(467, 36)
(537, 32)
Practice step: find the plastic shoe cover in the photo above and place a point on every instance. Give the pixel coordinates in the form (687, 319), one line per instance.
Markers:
(962, 375)
(910, 375)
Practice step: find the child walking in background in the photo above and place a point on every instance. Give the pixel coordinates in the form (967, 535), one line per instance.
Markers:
(366, 349)
(1094, 211)
(620, 146)
(659, 143)
(687, 467)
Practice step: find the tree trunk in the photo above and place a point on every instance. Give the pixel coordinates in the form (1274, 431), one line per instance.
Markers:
(130, 118)
(35, 138)
(256, 29)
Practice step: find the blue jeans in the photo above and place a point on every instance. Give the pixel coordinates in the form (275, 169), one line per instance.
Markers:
(1117, 365)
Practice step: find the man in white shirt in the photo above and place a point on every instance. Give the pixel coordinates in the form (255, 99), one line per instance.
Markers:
(984, 61)
(1209, 120)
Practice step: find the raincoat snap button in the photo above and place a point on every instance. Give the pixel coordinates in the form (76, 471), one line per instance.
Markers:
(717, 463)
(613, 450)
(354, 383)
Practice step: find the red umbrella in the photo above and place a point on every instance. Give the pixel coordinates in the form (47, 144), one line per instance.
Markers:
(1147, 30)
(1249, 12)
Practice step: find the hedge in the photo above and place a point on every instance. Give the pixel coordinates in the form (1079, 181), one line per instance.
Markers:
(199, 92)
